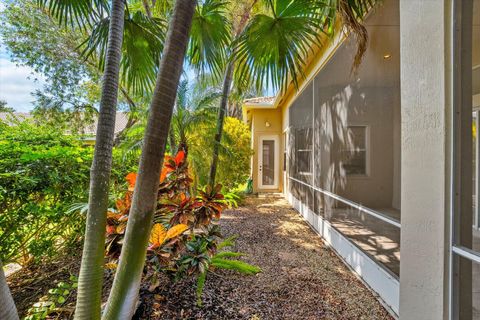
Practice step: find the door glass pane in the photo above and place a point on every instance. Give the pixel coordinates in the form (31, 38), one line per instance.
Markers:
(268, 162)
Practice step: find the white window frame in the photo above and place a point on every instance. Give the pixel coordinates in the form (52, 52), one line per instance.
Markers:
(306, 173)
(367, 151)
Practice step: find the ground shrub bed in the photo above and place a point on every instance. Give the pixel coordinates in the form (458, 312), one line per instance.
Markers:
(300, 278)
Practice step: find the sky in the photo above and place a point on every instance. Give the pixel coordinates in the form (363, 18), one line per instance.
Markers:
(16, 82)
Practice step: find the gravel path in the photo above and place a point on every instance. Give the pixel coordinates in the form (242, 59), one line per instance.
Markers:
(301, 277)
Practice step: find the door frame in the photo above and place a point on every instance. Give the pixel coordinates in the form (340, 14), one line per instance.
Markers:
(276, 175)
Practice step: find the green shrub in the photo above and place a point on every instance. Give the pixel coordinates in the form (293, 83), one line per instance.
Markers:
(234, 160)
(42, 172)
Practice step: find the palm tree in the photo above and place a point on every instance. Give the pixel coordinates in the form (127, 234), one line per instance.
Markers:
(195, 105)
(91, 272)
(117, 43)
(125, 288)
(192, 108)
(143, 40)
(306, 29)
(8, 311)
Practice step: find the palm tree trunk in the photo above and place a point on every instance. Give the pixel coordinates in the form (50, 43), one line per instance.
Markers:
(8, 311)
(124, 292)
(90, 280)
(227, 83)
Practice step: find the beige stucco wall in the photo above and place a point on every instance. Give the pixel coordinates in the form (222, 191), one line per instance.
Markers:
(425, 102)
(372, 107)
(259, 118)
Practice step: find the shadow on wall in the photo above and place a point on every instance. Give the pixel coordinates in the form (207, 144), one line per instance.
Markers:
(335, 139)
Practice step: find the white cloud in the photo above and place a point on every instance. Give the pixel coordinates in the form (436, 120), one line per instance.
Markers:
(17, 83)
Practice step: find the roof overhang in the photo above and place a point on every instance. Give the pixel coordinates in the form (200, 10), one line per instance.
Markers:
(248, 107)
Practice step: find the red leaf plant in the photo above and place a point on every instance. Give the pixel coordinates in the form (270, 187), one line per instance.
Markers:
(177, 209)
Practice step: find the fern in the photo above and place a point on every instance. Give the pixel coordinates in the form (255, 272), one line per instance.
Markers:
(235, 265)
(220, 260)
(229, 254)
(232, 198)
(229, 242)
(200, 285)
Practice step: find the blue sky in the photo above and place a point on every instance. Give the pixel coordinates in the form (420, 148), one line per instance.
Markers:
(16, 82)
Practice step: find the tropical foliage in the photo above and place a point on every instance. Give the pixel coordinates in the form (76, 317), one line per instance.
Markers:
(235, 152)
(44, 177)
(192, 130)
(42, 172)
(50, 305)
(184, 240)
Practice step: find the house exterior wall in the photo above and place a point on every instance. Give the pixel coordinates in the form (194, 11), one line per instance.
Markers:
(331, 100)
(408, 108)
(335, 99)
(259, 119)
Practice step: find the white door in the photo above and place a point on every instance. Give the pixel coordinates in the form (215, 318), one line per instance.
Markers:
(268, 162)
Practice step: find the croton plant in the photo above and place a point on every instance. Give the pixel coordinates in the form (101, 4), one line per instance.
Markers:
(177, 211)
(185, 235)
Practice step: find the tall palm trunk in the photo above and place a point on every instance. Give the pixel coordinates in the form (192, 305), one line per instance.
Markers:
(8, 311)
(227, 83)
(91, 272)
(124, 292)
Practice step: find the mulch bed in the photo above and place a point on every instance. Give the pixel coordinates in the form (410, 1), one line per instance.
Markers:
(301, 278)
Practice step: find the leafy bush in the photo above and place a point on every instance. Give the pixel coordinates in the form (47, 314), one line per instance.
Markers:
(184, 240)
(42, 171)
(234, 161)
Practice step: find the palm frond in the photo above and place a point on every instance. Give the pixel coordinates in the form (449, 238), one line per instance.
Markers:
(210, 37)
(351, 13)
(76, 12)
(142, 46)
(273, 47)
(80, 207)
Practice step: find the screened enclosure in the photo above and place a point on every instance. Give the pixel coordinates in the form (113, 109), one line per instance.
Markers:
(466, 226)
(344, 143)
